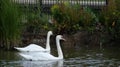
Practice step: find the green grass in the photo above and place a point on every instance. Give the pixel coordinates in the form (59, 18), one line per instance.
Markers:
(9, 24)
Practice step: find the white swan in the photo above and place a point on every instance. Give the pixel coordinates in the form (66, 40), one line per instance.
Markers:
(34, 47)
(46, 56)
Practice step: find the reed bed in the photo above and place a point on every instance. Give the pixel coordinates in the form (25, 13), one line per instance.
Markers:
(10, 24)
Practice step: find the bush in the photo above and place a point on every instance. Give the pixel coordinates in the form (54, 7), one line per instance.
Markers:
(110, 19)
(66, 18)
(36, 23)
(72, 18)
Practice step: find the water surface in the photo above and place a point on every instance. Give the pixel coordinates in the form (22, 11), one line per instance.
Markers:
(74, 57)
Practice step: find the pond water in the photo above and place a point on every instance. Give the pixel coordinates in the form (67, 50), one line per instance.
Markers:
(73, 57)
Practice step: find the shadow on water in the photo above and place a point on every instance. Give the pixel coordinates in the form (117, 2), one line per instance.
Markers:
(82, 57)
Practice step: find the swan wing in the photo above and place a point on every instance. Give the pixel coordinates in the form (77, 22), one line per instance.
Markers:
(34, 47)
(31, 47)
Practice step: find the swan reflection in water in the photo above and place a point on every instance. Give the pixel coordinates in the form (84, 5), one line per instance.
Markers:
(53, 63)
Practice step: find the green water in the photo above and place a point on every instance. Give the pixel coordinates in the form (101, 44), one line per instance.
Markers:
(73, 57)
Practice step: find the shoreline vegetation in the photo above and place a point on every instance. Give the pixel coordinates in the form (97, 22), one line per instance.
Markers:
(79, 25)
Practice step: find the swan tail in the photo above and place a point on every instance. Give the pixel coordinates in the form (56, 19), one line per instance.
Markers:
(19, 49)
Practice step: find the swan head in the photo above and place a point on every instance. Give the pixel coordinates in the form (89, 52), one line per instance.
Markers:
(50, 32)
(60, 37)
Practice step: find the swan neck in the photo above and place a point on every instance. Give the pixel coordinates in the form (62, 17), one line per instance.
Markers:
(60, 53)
(48, 42)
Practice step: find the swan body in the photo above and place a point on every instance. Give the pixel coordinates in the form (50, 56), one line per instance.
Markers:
(34, 47)
(45, 56)
(31, 47)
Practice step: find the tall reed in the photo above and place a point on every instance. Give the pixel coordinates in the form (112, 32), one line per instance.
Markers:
(9, 24)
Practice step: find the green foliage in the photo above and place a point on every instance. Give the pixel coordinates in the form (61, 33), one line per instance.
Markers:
(71, 18)
(110, 17)
(117, 4)
(9, 24)
(89, 19)
(34, 20)
(109, 13)
(35, 23)
(66, 18)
